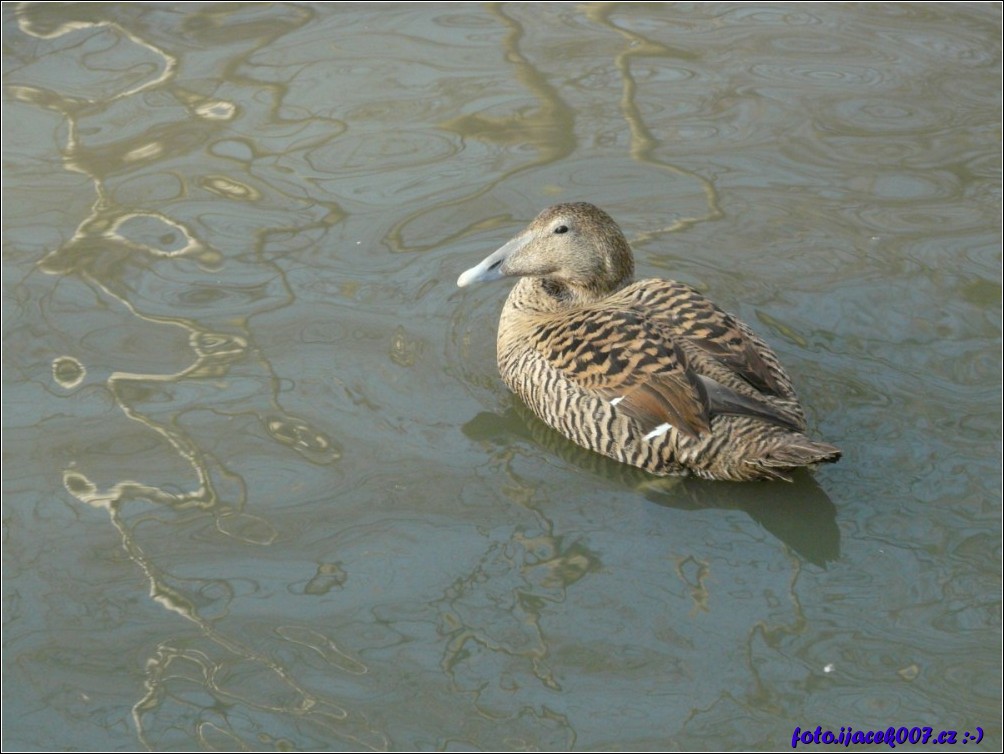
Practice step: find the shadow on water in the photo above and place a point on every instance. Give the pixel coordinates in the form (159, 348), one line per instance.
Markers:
(800, 514)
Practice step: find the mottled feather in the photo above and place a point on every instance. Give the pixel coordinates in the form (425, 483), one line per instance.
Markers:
(650, 373)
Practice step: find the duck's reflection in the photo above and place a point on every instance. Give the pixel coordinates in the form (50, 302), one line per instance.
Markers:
(800, 514)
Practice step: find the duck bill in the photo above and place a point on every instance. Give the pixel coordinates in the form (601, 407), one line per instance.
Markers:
(492, 268)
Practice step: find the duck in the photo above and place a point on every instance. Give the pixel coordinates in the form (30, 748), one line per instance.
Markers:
(650, 372)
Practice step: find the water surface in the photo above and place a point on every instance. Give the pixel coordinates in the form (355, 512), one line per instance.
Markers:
(263, 487)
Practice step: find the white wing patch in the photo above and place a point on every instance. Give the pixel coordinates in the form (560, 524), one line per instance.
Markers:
(658, 431)
(616, 400)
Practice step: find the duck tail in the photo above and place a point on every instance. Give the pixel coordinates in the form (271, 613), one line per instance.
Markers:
(797, 452)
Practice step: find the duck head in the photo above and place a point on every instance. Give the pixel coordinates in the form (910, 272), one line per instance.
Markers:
(575, 251)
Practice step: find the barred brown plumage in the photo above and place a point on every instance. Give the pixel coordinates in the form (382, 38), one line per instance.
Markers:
(650, 373)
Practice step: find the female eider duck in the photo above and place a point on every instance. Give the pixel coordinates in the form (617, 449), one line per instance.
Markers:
(649, 373)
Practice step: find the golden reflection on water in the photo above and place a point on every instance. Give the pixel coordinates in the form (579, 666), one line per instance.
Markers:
(231, 183)
(97, 253)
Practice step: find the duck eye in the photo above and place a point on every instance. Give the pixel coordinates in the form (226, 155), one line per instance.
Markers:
(561, 229)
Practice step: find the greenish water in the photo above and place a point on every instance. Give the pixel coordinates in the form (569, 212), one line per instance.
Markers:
(263, 487)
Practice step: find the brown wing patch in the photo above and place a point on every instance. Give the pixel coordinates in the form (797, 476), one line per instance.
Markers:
(620, 356)
(662, 399)
(683, 312)
(738, 354)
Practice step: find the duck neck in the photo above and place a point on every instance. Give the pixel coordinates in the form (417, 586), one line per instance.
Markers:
(546, 295)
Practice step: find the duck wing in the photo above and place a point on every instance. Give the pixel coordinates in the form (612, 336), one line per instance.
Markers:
(625, 357)
(686, 314)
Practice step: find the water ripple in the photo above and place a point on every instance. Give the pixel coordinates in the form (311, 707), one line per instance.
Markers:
(826, 76)
(256, 433)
